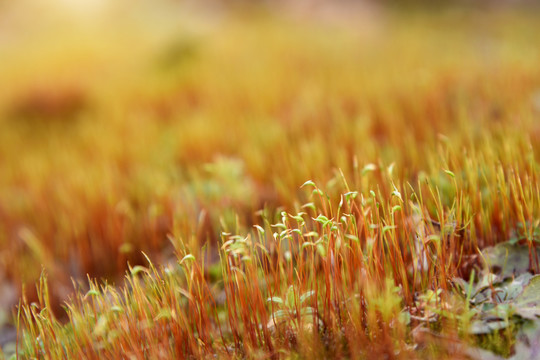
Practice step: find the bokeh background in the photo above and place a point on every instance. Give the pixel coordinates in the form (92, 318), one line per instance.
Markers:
(133, 126)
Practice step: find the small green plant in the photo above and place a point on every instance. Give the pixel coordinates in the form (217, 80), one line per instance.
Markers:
(293, 310)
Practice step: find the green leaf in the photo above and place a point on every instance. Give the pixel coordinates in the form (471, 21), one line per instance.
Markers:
(306, 296)
(526, 347)
(405, 317)
(308, 310)
(290, 297)
(510, 259)
(280, 226)
(275, 299)
(298, 218)
(309, 182)
(479, 327)
(91, 293)
(511, 290)
(388, 228)
(163, 314)
(116, 309)
(528, 302)
(261, 230)
(368, 168)
(390, 169)
(281, 314)
(352, 237)
(318, 192)
(187, 257)
(309, 205)
(321, 250)
(351, 194)
(137, 269)
(451, 174)
(322, 219)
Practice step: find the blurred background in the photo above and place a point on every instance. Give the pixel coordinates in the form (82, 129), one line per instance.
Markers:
(132, 126)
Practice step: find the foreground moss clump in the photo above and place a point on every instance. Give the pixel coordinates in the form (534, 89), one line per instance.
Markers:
(370, 276)
(420, 145)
